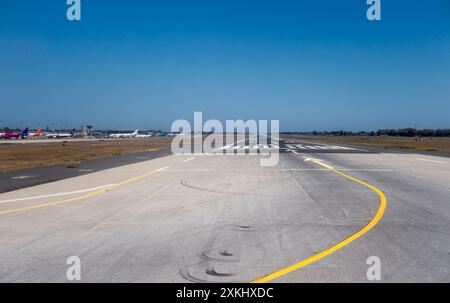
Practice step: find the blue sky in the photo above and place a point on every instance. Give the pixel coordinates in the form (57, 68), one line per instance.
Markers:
(313, 65)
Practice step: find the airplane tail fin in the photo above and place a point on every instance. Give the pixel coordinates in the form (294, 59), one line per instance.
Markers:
(38, 132)
(135, 132)
(24, 132)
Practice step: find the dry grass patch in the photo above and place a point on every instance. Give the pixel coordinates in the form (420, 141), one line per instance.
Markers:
(20, 156)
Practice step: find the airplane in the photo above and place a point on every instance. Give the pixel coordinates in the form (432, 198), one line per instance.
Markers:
(125, 135)
(35, 134)
(15, 135)
(59, 135)
(144, 136)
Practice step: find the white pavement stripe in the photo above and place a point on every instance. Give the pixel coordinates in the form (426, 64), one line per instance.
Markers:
(190, 170)
(57, 195)
(321, 147)
(223, 147)
(187, 160)
(303, 169)
(161, 169)
(23, 177)
(232, 145)
(340, 169)
(433, 161)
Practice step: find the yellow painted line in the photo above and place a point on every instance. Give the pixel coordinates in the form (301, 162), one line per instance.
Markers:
(82, 197)
(347, 241)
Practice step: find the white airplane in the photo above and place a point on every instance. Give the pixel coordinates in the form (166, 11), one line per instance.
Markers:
(58, 135)
(126, 135)
(144, 136)
(35, 134)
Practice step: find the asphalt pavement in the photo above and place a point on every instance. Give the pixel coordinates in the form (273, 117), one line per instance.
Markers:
(316, 216)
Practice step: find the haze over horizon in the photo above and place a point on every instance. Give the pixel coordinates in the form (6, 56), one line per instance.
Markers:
(313, 66)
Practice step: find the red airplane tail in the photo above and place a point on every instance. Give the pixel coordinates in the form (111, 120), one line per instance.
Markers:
(38, 132)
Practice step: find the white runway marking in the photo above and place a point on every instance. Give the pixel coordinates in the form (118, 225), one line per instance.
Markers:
(231, 145)
(365, 169)
(321, 147)
(56, 195)
(341, 169)
(303, 169)
(307, 159)
(163, 168)
(433, 161)
(247, 147)
(223, 147)
(187, 160)
(22, 177)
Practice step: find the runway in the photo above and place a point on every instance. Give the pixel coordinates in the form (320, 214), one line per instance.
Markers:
(222, 218)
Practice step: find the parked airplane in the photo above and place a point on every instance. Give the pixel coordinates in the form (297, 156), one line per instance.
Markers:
(35, 134)
(125, 135)
(15, 135)
(59, 135)
(144, 136)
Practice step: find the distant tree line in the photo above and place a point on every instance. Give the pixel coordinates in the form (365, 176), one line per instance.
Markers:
(411, 132)
(402, 132)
